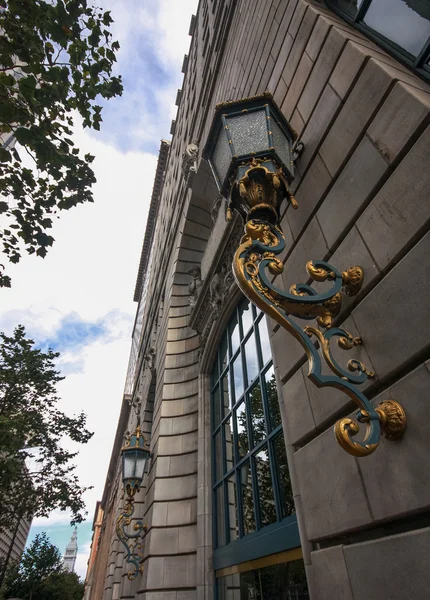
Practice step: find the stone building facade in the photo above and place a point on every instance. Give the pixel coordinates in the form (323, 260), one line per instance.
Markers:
(246, 497)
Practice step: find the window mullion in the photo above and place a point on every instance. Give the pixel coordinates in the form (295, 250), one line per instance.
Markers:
(362, 10)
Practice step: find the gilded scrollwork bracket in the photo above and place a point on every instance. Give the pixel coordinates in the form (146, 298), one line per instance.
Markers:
(134, 555)
(256, 196)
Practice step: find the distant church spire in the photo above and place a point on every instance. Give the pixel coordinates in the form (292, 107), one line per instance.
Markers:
(69, 557)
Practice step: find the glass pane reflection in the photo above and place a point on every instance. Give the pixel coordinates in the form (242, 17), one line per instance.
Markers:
(216, 406)
(233, 526)
(264, 340)
(225, 394)
(265, 488)
(247, 499)
(257, 414)
(228, 432)
(286, 581)
(251, 358)
(272, 398)
(220, 515)
(242, 430)
(285, 489)
(234, 335)
(238, 377)
(246, 316)
(224, 353)
(405, 23)
(218, 456)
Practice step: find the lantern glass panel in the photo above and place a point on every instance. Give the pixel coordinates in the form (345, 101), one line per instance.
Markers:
(141, 458)
(281, 144)
(129, 464)
(221, 157)
(248, 131)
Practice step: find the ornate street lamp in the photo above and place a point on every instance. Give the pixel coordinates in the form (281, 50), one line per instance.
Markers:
(135, 454)
(251, 149)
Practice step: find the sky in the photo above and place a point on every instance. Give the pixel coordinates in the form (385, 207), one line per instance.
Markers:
(79, 299)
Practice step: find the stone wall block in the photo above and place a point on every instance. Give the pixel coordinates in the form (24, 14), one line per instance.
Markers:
(180, 375)
(297, 85)
(179, 571)
(393, 336)
(181, 512)
(286, 351)
(174, 408)
(184, 389)
(175, 488)
(401, 207)
(357, 111)
(321, 72)
(401, 114)
(397, 476)
(395, 567)
(296, 407)
(330, 575)
(351, 191)
(301, 39)
(184, 359)
(353, 252)
(311, 246)
(177, 444)
(350, 62)
(180, 333)
(333, 499)
(316, 127)
(317, 39)
(311, 189)
(183, 465)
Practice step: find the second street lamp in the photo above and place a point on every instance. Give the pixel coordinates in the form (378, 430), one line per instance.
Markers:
(135, 454)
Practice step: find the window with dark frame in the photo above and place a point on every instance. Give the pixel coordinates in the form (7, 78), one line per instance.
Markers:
(402, 27)
(251, 483)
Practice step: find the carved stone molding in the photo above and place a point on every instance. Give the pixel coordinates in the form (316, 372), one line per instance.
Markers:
(195, 284)
(189, 163)
(149, 360)
(215, 289)
(216, 205)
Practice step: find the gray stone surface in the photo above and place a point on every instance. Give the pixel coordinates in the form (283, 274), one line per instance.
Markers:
(397, 476)
(311, 246)
(317, 125)
(329, 572)
(297, 85)
(355, 114)
(394, 567)
(332, 493)
(353, 252)
(321, 72)
(350, 62)
(393, 336)
(297, 410)
(352, 190)
(319, 34)
(401, 114)
(401, 208)
(311, 189)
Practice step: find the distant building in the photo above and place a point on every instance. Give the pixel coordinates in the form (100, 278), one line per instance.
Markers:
(69, 557)
(97, 523)
(12, 543)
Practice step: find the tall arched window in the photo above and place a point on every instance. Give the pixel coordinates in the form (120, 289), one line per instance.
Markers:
(254, 513)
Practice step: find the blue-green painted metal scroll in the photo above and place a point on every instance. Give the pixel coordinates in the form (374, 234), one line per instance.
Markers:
(255, 258)
(134, 554)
